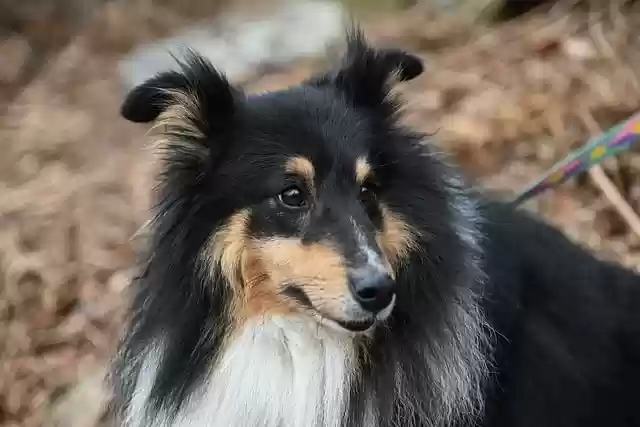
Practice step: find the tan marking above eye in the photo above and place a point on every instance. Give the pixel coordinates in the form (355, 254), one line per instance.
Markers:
(363, 169)
(301, 166)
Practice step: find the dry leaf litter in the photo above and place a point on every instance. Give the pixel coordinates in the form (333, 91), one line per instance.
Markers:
(506, 101)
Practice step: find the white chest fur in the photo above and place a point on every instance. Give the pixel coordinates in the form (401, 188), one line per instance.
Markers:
(279, 372)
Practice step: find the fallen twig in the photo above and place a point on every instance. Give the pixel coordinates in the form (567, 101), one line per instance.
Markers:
(608, 188)
(610, 191)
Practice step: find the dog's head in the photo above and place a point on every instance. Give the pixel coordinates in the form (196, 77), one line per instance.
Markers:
(307, 197)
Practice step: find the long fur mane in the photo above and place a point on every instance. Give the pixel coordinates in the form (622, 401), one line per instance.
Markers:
(422, 369)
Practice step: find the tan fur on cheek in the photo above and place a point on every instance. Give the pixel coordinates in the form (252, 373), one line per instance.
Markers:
(260, 296)
(397, 239)
(227, 246)
(316, 268)
(258, 271)
(230, 249)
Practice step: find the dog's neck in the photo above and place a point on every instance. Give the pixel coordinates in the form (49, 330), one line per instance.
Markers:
(275, 372)
(291, 371)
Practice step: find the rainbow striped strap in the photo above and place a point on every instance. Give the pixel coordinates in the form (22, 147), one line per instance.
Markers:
(613, 141)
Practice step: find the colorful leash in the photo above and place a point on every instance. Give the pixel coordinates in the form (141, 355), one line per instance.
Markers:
(613, 141)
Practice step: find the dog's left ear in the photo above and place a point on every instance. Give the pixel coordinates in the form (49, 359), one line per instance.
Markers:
(367, 74)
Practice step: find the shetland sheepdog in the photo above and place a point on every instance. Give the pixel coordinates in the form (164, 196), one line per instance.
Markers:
(313, 262)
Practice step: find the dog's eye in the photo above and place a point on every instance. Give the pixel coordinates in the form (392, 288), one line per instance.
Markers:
(367, 195)
(293, 197)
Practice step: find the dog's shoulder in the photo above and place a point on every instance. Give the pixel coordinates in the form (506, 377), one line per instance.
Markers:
(563, 318)
(538, 268)
(519, 243)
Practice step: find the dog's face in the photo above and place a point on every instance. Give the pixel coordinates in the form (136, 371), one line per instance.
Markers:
(297, 190)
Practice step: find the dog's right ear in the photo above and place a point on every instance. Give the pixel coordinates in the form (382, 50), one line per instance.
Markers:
(145, 102)
(196, 98)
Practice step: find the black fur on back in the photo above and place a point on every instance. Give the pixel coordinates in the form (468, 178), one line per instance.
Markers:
(568, 342)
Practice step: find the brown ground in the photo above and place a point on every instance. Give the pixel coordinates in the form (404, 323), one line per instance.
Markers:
(507, 102)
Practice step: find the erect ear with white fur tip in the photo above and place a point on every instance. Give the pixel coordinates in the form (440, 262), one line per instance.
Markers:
(367, 74)
(197, 100)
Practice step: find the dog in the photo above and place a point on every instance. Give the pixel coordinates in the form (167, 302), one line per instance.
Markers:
(313, 262)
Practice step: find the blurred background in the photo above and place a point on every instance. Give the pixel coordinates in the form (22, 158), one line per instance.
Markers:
(512, 87)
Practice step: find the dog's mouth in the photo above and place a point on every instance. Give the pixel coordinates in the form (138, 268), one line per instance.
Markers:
(360, 325)
(356, 326)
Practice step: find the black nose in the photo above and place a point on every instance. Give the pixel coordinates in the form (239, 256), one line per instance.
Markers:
(373, 290)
